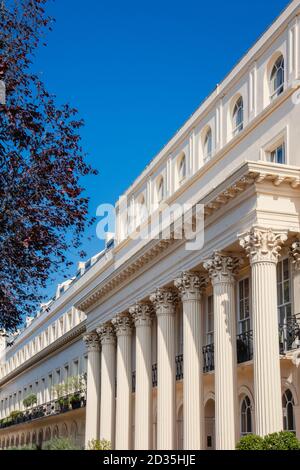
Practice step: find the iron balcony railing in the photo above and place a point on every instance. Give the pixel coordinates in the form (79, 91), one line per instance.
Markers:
(179, 367)
(289, 334)
(154, 375)
(64, 404)
(244, 347)
(208, 358)
(289, 339)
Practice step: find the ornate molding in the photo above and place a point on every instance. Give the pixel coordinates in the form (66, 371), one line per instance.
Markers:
(164, 301)
(295, 255)
(91, 341)
(262, 245)
(107, 334)
(190, 285)
(122, 325)
(142, 314)
(222, 268)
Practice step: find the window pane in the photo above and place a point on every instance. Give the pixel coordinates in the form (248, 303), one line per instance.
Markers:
(279, 294)
(286, 291)
(286, 273)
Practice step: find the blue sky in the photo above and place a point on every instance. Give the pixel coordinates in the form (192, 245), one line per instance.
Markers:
(136, 70)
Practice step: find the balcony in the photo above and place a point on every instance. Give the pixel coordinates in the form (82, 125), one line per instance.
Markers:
(289, 335)
(244, 347)
(289, 339)
(154, 378)
(52, 408)
(179, 367)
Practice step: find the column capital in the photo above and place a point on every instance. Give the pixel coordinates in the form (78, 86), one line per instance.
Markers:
(262, 245)
(164, 301)
(91, 341)
(142, 314)
(122, 325)
(222, 267)
(295, 255)
(107, 334)
(190, 285)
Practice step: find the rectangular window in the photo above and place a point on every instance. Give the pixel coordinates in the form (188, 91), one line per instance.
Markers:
(278, 155)
(244, 325)
(50, 385)
(43, 389)
(284, 292)
(284, 306)
(66, 372)
(210, 321)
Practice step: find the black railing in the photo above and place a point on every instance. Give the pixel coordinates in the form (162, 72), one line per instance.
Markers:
(208, 358)
(244, 347)
(154, 375)
(289, 334)
(179, 367)
(55, 407)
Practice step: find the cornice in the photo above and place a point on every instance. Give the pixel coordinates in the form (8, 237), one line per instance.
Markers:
(247, 175)
(67, 339)
(128, 269)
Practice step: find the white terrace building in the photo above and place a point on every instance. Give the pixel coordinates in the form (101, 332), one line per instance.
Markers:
(187, 349)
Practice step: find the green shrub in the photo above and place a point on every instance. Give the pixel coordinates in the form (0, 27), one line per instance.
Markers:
(277, 441)
(96, 444)
(23, 448)
(251, 442)
(60, 443)
(281, 441)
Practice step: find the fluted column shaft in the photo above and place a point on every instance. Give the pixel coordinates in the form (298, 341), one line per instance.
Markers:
(221, 273)
(108, 384)
(263, 247)
(142, 316)
(93, 388)
(164, 304)
(189, 285)
(124, 383)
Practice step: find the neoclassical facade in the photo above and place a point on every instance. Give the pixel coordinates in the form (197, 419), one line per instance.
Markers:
(187, 348)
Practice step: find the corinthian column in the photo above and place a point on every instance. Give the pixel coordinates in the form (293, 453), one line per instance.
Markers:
(142, 316)
(123, 328)
(190, 286)
(263, 246)
(164, 301)
(221, 270)
(108, 385)
(93, 388)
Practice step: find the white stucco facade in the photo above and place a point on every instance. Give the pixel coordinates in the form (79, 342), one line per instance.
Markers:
(188, 349)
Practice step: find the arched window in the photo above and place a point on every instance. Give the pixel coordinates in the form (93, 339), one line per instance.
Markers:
(180, 429)
(277, 78)
(182, 169)
(246, 416)
(288, 411)
(160, 190)
(142, 212)
(238, 116)
(207, 150)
